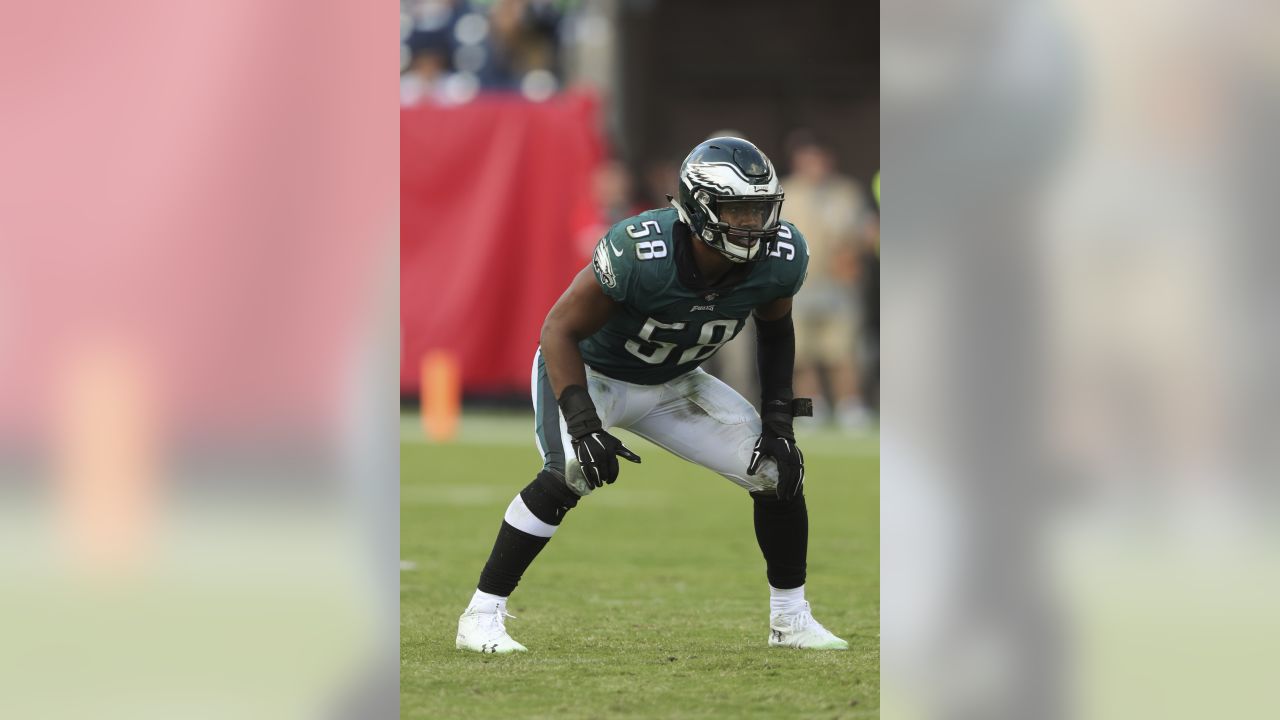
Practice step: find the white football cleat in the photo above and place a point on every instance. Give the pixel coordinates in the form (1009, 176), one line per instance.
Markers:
(800, 630)
(484, 630)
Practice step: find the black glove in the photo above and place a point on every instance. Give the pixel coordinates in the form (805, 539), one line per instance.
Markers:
(597, 451)
(598, 454)
(778, 441)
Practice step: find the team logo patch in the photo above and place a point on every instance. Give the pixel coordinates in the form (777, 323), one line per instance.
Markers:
(603, 263)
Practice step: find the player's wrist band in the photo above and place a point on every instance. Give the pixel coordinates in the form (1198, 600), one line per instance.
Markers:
(579, 411)
(776, 414)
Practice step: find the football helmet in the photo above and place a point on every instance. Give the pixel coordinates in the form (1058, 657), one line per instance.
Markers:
(728, 179)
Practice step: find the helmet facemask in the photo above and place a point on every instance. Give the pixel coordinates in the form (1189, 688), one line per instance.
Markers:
(739, 227)
(730, 198)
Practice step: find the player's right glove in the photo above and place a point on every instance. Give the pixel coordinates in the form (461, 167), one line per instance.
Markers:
(778, 441)
(790, 461)
(597, 451)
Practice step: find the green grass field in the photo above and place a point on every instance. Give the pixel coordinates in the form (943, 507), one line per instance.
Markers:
(650, 602)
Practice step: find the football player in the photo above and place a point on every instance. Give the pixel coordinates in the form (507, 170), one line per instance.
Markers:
(621, 348)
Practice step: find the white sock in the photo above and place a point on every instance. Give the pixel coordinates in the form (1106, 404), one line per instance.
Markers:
(785, 602)
(486, 602)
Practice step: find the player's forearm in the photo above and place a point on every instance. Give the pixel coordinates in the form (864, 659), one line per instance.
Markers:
(569, 380)
(578, 314)
(562, 357)
(776, 359)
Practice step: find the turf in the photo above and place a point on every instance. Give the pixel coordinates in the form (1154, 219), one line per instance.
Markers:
(650, 602)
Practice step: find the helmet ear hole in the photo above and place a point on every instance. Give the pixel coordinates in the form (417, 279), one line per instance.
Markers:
(708, 204)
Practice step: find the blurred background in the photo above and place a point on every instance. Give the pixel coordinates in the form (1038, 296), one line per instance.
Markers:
(198, 495)
(199, 502)
(528, 127)
(1079, 434)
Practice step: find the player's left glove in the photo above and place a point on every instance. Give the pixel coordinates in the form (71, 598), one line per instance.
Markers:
(778, 441)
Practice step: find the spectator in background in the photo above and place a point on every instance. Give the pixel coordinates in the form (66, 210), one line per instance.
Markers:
(457, 48)
(660, 178)
(615, 193)
(539, 43)
(838, 223)
(427, 67)
(611, 200)
(869, 287)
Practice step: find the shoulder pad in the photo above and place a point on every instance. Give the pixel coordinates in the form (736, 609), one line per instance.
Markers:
(790, 258)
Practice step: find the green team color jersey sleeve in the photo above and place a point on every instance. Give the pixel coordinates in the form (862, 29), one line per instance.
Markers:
(663, 329)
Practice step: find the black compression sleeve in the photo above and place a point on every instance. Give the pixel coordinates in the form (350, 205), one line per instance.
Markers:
(776, 358)
(579, 412)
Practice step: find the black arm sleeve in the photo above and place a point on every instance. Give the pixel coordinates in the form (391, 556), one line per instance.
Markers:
(776, 359)
(579, 412)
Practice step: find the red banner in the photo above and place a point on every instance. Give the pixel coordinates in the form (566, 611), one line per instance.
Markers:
(496, 217)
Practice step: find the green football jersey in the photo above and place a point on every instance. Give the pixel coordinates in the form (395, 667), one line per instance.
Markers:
(663, 328)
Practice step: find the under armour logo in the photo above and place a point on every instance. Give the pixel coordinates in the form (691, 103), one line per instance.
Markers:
(777, 636)
(491, 648)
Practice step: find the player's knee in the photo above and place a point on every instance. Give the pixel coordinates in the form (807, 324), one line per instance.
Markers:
(548, 498)
(767, 501)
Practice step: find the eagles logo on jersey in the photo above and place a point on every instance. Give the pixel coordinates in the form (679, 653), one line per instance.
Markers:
(603, 265)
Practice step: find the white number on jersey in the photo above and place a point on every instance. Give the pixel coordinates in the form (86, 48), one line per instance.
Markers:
(706, 343)
(661, 349)
(651, 249)
(784, 233)
(713, 334)
(646, 228)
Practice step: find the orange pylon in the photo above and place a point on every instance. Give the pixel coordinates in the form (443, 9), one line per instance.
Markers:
(441, 395)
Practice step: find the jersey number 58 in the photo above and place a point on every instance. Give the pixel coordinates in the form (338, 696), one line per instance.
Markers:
(713, 334)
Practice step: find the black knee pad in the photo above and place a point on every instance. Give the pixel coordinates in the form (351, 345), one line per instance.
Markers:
(548, 498)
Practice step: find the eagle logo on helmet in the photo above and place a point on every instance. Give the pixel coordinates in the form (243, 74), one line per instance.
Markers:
(706, 174)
